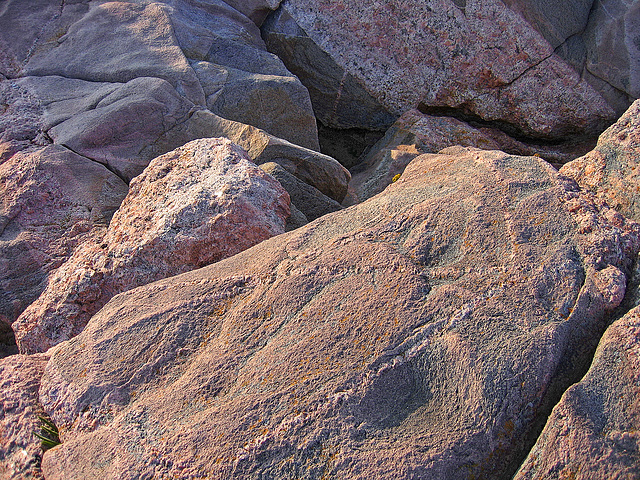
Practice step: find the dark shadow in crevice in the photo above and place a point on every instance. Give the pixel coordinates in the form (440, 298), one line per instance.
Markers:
(348, 146)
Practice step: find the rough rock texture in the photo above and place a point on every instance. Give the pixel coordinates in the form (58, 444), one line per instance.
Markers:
(191, 207)
(594, 432)
(478, 59)
(20, 451)
(420, 334)
(121, 83)
(51, 200)
(415, 133)
(612, 169)
(310, 201)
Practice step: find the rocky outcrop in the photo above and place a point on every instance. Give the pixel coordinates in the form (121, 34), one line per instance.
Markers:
(20, 450)
(611, 169)
(415, 133)
(52, 198)
(593, 431)
(479, 60)
(189, 208)
(113, 85)
(430, 328)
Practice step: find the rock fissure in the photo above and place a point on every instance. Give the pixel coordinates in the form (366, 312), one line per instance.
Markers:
(104, 164)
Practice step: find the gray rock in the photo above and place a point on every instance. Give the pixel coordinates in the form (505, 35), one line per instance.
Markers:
(307, 199)
(426, 329)
(339, 101)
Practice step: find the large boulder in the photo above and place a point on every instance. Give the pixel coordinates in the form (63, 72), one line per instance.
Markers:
(480, 60)
(20, 450)
(52, 199)
(594, 431)
(612, 169)
(191, 207)
(424, 333)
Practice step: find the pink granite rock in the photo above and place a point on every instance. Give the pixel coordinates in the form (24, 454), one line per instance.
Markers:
(594, 432)
(20, 450)
(612, 169)
(419, 334)
(191, 207)
(479, 59)
(52, 199)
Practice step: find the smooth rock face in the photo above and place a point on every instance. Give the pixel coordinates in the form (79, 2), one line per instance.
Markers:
(594, 431)
(191, 207)
(20, 451)
(51, 201)
(611, 170)
(612, 42)
(256, 10)
(420, 334)
(482, 59)
(310, 201)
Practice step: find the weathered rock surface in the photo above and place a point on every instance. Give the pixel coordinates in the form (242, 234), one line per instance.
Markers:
(309, 200)
(20, 451)
(420, 334)
(477, 58)
(415, 133)
(123, 82)
(594, 431)
(191, 207)
(51, 201)
(612, 169)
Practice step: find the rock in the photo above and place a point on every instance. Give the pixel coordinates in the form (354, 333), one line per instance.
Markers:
(426, 329)
(20, 450)
(612, 43)
(482, 60)
(611, 169)
(339, 100)
(593, 431)
(307, 199)
(191, 207)
(318, 170)
(556, 22)
(415, 133)
(138, 56)
(128, 127)
(256, 10)
(52, 199)
(280, 105)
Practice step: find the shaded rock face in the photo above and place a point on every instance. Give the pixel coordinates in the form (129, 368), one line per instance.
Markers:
(51, 200)
(20, 450)
(191, 207)
(427, 328)
(593, 431)
(611, 169)
(477, 58)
